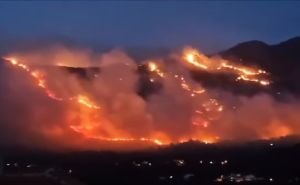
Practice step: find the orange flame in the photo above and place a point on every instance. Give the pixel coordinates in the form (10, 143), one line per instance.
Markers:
(197, 60)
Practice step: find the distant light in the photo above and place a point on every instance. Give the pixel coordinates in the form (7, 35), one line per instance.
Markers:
(219, 180)
(271, 144)
(201, 162)
(211, 162)
(179, 162)
(147, 163)
(188, 176)
(136, 164)
(70, 171)
(271, 179)
(170, 177)
(162, 178)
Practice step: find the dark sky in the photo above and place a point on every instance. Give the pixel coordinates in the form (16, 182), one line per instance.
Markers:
(210, 26)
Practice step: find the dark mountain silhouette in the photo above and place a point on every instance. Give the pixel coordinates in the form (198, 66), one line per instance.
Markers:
(281, 60)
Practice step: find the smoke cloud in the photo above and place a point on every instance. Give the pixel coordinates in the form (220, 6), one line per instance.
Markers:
(101, 107)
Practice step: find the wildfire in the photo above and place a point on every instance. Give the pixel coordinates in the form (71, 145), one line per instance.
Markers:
(261, 82)
(37, 75)
(85, 101)
(199, 61)
(153, 67)
(205, 110)
(210, 109)
(116, 139)
(276, 130)
(14, 62)
(187, 87)
(204, 139)
(194, 59)
(243, 70)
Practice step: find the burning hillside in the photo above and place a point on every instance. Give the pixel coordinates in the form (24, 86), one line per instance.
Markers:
(43, 103)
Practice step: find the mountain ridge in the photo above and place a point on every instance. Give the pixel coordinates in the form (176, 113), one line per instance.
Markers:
(281, 60)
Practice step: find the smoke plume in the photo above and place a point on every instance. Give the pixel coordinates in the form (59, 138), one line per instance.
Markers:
(70, 98)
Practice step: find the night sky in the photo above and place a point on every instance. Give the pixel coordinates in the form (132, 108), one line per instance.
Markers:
(210, 26)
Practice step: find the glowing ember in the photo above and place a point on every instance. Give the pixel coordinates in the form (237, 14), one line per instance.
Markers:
(153, 67)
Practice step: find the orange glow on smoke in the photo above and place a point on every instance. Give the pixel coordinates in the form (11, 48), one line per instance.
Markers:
(117, 139)
(276, 130)
(85, 128)
(206, 139)
(95, 123)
